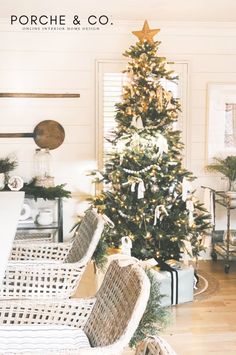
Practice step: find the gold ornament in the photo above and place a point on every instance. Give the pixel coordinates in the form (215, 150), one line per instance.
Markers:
(144, 106)
(159, 98)
(128, 111)
(148, 236)
(146, 33)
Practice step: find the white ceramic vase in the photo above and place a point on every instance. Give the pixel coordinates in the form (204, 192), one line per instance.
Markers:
(45, 217)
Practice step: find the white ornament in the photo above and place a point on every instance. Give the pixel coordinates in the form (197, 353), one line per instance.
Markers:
(126, 245)
(190, 208)
(171, 188)
(141, 187)
(162, 144)
(135, 141)
(158, 213)
(137, 122)
(186, 189)
(141, 190)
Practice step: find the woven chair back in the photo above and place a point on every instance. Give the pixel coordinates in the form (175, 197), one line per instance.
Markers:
(120, 304)
(86, 238)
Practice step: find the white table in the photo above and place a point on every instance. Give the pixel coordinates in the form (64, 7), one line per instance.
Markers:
(11, 203)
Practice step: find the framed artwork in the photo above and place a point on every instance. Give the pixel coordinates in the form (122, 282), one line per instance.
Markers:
(221, 130)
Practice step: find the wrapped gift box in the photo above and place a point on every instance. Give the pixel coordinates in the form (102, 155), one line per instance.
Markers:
(176, 286)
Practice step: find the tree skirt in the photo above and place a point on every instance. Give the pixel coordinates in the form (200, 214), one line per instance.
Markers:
(207, 285)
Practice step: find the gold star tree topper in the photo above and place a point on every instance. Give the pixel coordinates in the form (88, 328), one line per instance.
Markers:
(146, 33)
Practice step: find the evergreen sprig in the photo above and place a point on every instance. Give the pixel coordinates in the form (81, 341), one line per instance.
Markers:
(7, 164)
(47, 193)
(155, 317)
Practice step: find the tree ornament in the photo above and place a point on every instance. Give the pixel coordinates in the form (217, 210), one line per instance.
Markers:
(186, 189)
(144, 57)
(159, 213)
(137, 122)
(159, 98)
(190, 208)
(154, 188)
(135, 140)
(162, 145)
(128, 110)
(148, 236)
(144, 106)
(126, 245)
(141, 187)
(146, 33)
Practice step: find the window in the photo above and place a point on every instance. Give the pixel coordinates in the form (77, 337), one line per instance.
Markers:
(110, 83)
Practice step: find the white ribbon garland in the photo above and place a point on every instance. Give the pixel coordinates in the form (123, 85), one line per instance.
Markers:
(129, 171)
(137, 122)
(158, 213)
(124, 215)
(141, 188)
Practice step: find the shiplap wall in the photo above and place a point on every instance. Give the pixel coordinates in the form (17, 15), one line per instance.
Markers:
(65, 62)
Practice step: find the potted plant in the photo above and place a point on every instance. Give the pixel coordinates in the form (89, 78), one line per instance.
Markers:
(6, 165)
(227, 167)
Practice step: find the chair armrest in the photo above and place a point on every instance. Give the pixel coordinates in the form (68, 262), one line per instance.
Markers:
(41, 280)
(73, 312)
(32, 251)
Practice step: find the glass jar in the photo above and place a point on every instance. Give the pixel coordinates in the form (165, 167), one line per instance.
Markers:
(42, 163)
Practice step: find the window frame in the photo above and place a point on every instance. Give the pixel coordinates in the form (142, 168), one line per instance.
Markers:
(184, 123)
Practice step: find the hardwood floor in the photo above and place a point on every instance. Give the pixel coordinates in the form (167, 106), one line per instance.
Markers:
(205, 326)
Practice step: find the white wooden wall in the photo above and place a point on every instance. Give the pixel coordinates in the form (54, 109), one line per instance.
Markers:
(65, 62)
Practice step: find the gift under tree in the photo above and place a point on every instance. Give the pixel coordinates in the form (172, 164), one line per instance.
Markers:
(147, 192)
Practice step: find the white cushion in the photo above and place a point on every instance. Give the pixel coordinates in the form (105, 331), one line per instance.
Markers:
(39, 338)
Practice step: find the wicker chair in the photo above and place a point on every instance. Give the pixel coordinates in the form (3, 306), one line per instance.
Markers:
(102, 325)
(52, 270)
(154, 346)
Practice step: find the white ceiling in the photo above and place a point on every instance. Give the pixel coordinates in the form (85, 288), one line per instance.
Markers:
(158, 10)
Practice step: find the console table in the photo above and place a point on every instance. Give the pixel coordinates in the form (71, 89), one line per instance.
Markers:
(32, 231)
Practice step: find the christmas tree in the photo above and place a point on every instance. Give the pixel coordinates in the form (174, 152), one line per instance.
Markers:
(147, 193)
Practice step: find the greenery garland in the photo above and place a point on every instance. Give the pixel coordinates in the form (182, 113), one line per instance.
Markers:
(47, 193)
(155, 317)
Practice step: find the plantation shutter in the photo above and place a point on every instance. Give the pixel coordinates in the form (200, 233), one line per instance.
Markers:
(111, 80)
(112, 91)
